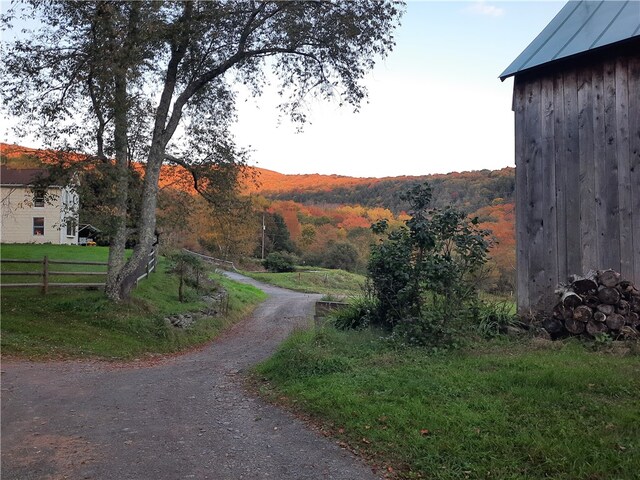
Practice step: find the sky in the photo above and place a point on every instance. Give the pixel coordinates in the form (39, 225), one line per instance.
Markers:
(435, 103)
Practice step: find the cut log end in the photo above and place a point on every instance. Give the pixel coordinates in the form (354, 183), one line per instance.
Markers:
(594, 328)
(574, 326)
(608, 278)
(609, 295)
(615, 321)
(582, 313)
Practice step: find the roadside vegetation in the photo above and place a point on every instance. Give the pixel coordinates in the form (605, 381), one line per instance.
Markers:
(333, 283)
(418, 376)
(494, 409)
(71, 323)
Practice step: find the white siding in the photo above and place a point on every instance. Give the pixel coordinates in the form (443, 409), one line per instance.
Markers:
(18, 213)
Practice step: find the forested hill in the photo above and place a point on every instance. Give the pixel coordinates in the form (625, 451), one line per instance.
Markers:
(468, 191)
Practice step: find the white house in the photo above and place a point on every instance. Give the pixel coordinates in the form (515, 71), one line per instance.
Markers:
(36, 216)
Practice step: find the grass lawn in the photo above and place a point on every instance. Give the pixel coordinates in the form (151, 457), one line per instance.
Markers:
(54, 252)
(337, 283)
(83, 323)
(527, 410)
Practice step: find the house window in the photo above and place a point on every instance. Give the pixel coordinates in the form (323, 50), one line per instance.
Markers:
(38, 226)
(38, 198)
(71, 227)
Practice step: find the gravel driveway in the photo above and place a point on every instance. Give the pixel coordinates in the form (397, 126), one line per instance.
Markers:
(186, 417)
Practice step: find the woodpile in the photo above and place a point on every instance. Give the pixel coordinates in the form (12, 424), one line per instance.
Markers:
(598, 302)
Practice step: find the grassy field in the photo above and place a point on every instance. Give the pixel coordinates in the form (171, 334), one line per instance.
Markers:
(83, 323)
(528, 410)
(54, 252)
(336, 283)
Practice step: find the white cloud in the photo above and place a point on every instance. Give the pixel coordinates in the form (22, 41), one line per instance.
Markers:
(482, 8)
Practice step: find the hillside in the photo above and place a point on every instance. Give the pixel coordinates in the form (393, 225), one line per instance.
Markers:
(322, 213)
(468, 191)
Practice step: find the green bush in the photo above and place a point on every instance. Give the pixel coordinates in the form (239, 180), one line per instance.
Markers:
(360, 313)
(342, 256)
(279, 262)
(423, 273)
(189, 269)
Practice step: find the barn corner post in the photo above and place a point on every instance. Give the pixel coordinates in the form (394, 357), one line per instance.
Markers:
(576, 107)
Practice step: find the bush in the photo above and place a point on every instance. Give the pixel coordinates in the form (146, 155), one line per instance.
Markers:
(279, 262)
(189, 270)
(423, 274)
(341, 255)
(360, 313)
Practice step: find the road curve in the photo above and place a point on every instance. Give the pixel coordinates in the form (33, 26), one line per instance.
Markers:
(185, 417)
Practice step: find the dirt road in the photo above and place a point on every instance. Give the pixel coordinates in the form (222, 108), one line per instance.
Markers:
(183, 418)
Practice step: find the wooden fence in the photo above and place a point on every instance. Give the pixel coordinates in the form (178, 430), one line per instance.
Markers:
(226, 264)
(47, 271)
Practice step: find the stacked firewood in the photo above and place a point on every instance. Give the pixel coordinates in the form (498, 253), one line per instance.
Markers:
(599, 302)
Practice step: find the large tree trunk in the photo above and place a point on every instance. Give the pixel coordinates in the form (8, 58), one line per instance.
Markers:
(146, 225)
(118, 239)
(120, 271)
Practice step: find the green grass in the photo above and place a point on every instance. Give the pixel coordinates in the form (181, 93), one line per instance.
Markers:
(501, 411)
(54, 252)
(71, 323)
(316, 280)
(57, 252)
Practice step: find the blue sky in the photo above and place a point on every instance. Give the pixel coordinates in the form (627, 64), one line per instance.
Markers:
(435, 105)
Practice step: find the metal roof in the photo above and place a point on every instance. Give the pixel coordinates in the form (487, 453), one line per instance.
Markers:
(579, 27)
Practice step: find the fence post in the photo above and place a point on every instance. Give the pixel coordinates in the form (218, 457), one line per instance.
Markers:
(153, 260)
(45, 275)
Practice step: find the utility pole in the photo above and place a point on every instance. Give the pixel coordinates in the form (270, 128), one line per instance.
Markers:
(263, 230)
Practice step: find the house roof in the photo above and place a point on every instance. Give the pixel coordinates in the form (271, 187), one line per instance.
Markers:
(20, 177)
(580, 26)
(89, 228)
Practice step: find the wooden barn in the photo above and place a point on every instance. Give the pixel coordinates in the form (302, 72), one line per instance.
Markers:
(576, 100)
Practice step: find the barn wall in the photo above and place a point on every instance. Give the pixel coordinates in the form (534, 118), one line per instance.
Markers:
(577, 174)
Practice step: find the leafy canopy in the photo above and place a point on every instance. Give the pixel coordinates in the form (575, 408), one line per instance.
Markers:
(157, 82)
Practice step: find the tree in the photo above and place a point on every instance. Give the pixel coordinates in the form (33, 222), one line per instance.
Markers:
(342, 255)
(186, 266)
(154, 82)
(276, 235)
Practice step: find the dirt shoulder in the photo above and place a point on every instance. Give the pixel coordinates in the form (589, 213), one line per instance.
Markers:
(182, 417)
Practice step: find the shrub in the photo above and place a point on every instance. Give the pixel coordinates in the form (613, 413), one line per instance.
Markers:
(341, 255)
(423, 273)
(279, 262)
(360, 313)
(189, 269)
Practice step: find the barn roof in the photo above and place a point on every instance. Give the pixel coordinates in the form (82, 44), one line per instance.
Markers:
(579, 27)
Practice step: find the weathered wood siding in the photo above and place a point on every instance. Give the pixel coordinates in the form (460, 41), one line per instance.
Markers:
(577, 174)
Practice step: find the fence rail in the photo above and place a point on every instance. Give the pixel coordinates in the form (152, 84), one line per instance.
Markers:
(46, 273)
(216, 261)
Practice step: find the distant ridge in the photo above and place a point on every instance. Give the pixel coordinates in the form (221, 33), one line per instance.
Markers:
(468, 191)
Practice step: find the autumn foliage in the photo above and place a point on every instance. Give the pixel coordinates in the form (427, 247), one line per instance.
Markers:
(325, 215)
